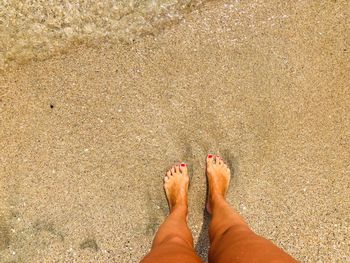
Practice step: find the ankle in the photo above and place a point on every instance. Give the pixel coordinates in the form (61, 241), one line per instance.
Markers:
(180, 209)
(215, 199)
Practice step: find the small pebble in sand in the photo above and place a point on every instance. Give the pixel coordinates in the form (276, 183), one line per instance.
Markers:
(51, 106)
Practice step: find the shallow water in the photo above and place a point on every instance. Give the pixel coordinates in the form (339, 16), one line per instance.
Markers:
(39, 29)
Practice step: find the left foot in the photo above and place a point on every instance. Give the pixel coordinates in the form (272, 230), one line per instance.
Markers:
(176, 186)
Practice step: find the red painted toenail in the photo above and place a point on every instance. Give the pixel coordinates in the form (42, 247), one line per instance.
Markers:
(210, 156)
(183, 164)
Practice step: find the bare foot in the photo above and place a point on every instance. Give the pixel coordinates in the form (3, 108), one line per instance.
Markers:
(218, 175)
(176, 186)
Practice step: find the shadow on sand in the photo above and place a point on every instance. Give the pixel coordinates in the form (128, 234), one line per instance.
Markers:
(202, 246)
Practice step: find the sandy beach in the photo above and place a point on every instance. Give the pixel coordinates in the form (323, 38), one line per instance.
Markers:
(86, 137)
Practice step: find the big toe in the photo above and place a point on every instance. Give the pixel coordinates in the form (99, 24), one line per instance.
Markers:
(210, 159)
(183, 168)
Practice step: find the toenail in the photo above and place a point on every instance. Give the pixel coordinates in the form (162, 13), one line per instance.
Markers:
(210, 156)
(183, 164)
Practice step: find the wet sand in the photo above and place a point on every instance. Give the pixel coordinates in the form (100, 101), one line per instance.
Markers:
(86, 137)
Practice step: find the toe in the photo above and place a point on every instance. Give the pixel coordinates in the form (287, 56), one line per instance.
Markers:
(217, 159)
(183, 168)
(173, 170)
(210, 158)
(177, 168)
(166, 179)
(168, 174)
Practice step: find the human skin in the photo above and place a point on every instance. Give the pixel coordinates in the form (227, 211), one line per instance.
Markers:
(173, 241)
(231, 239)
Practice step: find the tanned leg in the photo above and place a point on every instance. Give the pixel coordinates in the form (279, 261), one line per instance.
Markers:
(230, 237)
(173, 242)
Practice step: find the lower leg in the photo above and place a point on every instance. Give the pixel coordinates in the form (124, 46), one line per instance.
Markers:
(233, 241)
(174, 227)
(173, 241)
(223, 217)
(231, 238)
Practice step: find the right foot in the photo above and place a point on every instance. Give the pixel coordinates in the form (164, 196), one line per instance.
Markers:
(218, 175)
